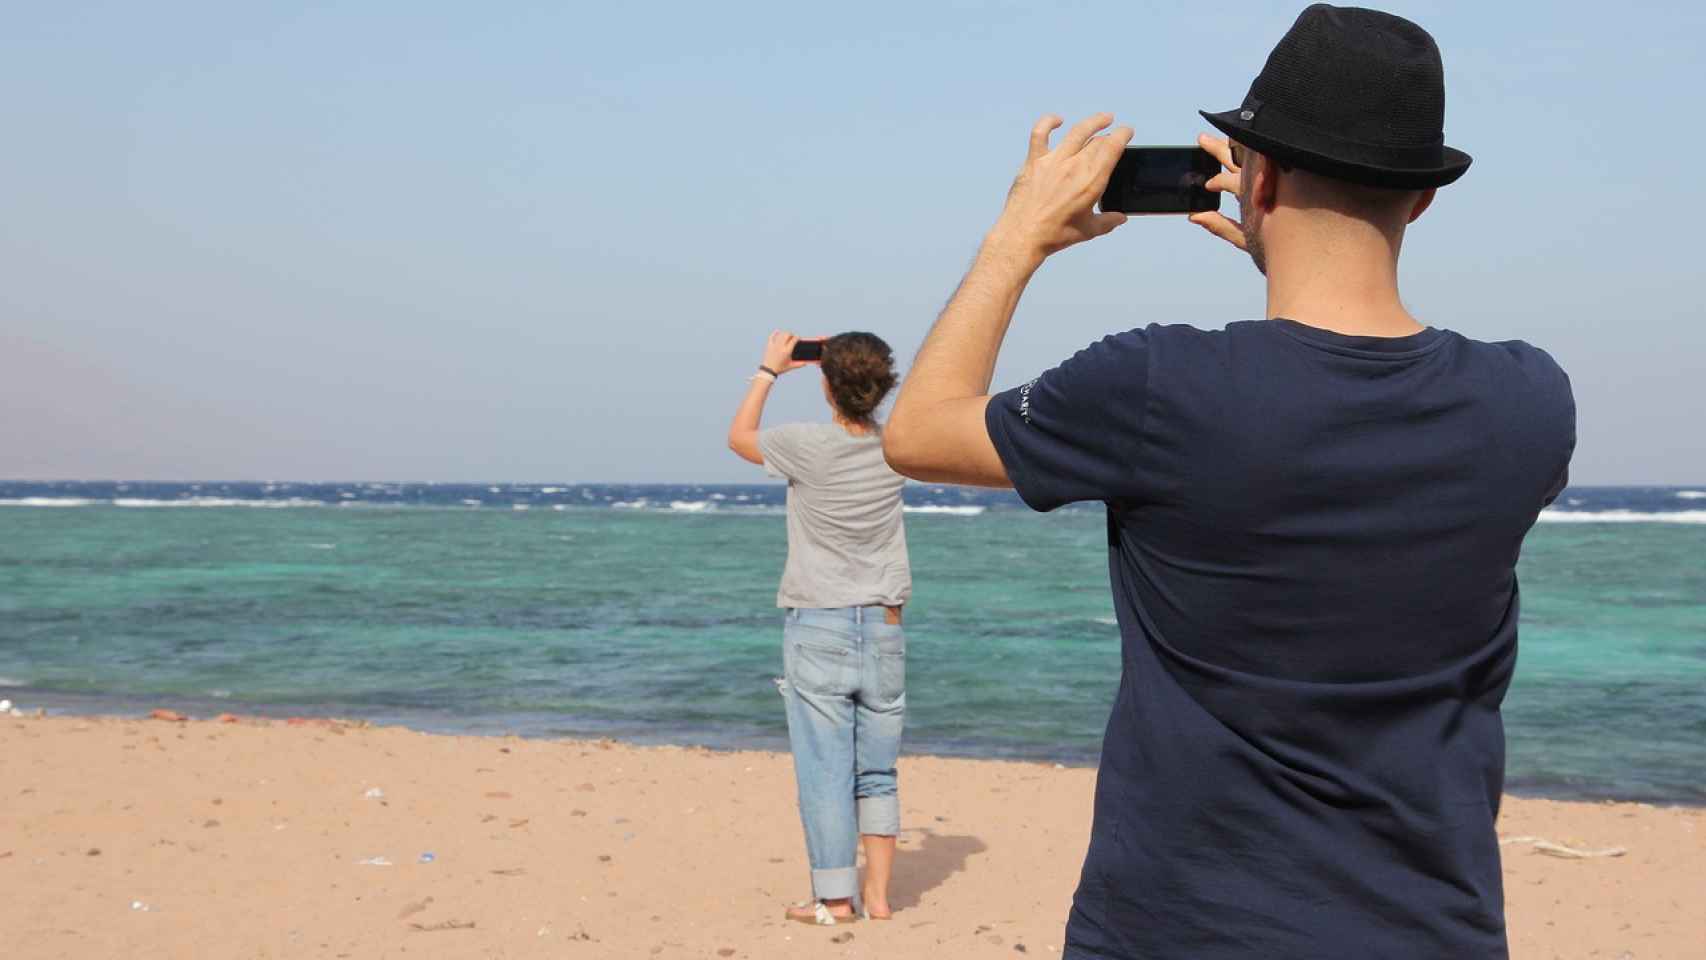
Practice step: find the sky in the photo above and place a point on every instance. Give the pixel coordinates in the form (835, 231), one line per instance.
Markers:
(545, 242)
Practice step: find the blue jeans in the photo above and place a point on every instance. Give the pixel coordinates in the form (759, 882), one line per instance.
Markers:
(844, 683)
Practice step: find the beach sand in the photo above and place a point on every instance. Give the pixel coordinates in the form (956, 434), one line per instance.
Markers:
(153, 838)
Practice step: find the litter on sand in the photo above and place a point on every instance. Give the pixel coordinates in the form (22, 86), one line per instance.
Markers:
(444, 925)
(1562, 851)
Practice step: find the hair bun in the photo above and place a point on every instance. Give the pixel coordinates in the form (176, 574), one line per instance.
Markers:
(860, 370)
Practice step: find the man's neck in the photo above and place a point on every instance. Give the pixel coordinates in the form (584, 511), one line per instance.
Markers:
(1347, 287)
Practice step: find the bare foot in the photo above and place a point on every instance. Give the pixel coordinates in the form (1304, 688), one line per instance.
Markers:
(877, 906)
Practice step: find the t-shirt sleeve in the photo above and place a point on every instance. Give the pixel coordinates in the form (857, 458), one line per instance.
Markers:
(1075, 433)
(1548, 415)
(1566, 402)
(784, 451)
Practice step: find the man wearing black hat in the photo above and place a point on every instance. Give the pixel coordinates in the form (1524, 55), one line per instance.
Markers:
(1313, 527)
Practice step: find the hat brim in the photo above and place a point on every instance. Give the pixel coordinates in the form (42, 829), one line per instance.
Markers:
(1452, 164)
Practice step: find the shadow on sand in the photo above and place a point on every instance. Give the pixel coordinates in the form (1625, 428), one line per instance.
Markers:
(920, 869)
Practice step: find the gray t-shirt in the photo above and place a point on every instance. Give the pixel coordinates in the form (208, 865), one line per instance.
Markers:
(846, 539)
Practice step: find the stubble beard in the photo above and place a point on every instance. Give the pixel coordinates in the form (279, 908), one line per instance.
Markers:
(1253, 244)
(1252, 234)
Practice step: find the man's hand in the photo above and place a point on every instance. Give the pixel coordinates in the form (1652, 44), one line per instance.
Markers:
(779, 352)
(1052, 203)
(937, 430)
(1228, 180)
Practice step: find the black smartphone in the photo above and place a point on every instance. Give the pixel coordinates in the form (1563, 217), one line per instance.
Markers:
(809, 350)
(1162, 180)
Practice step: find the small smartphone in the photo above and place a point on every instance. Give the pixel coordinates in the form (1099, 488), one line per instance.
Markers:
(810, 351)
(1162, 180)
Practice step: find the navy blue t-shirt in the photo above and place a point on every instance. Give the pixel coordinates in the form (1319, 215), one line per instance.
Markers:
(1312, 542)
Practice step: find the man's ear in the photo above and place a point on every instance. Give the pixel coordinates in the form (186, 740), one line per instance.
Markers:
(1423, 202)
(1265, 191)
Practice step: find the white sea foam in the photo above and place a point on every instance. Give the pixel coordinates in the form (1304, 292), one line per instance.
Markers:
(965, 511)
(48, 502)
(1106, 621)
(639, 504)
(559, 506)
(471, 503)
(219, 502)
(1691, 494)
(550, 489)
(690, 506)
(520, 506)
(9, 682)
(1622, 516)
(322, 546)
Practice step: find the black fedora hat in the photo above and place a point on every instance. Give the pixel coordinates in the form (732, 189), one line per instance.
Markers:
(1352, 94)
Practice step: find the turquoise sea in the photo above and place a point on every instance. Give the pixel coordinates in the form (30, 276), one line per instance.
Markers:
(647, 613)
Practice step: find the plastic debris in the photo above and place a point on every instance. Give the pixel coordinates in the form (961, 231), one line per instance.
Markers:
(1543, 846)
(1574, 853)
(140, 906)
(374, 862)
(443, 925)
(428, 857)
(5, 706)
(374, 793)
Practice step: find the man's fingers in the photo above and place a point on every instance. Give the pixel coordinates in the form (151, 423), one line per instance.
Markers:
(1104, 223)
(1220, 226)
(1040, 134)
(1219, 148)
(1104, 152)
(1083, 130)
(1226, 181)
(1113, 143)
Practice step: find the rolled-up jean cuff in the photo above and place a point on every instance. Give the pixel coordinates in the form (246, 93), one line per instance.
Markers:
(837, 884)
(879, 815)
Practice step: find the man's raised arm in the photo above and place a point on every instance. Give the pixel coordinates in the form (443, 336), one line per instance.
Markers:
(937, 430)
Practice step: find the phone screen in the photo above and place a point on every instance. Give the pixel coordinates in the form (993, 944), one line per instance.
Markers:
(1162, 180)
(809, 350)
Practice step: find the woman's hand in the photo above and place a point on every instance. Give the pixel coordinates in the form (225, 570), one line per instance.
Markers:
(778, 357)
(779, 352)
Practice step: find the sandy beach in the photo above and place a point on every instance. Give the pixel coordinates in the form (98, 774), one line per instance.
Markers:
(267, 838)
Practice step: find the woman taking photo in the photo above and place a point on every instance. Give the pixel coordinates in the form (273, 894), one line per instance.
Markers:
(843, 652)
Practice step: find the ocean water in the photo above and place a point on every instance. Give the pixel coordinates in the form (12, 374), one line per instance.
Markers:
(646, 612)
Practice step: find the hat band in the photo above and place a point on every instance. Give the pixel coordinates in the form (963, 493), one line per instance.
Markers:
(1294, 134)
